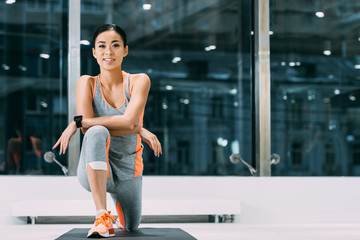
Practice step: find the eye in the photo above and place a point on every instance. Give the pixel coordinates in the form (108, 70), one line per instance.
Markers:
(116, 45)
(101, 46)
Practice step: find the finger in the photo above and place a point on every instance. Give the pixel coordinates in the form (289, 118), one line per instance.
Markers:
(156, 151)
(56, 144)
(61, 146)
(157, 148)
(156, 144)
(65, 144)
(154, 147)
(153, 143)
(64, 149)
(160, 147)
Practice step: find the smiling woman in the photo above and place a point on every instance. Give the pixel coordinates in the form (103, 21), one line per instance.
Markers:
(110, 47)
(110, 112)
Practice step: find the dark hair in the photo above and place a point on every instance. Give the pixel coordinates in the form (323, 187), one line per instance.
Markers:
(111, 27)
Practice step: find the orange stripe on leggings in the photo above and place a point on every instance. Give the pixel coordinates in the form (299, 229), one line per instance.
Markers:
(120, 214)
(107, 155)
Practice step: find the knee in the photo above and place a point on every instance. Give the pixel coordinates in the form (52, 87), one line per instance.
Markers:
(132, 228)
(133, 225)
(97, 132)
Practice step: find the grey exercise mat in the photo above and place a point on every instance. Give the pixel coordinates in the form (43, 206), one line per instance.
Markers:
(140, 234)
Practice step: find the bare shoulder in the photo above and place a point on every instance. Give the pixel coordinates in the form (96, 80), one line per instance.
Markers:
(141, 77)
(86, 81)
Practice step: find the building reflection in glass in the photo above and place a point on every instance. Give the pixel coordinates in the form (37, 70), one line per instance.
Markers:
(198, 56)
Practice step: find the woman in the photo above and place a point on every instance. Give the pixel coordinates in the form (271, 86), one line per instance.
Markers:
(110, 108)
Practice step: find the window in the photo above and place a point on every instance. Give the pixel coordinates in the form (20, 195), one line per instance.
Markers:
(33, 48)
(194, 52)
(314, 82)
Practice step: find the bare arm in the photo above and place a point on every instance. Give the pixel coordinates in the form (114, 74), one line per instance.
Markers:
(141, 87)
(84, 93)
(147, 136)
(117, 125)
(84, 98)
(121, 132)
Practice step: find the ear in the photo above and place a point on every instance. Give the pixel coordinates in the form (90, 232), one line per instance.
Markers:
(126, 51)
(93, 50)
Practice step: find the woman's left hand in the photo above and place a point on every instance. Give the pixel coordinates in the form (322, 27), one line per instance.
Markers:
(151, 140)
(65, 137)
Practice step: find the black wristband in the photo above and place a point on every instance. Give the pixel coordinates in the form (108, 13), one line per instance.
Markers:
(78, 120)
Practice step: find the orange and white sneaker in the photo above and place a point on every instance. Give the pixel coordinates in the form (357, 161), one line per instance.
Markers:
(103, 226)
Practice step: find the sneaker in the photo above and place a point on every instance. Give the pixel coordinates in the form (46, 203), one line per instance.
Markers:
(103, 226)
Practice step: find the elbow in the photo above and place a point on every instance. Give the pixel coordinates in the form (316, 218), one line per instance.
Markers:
(128, 123)
(130, 126)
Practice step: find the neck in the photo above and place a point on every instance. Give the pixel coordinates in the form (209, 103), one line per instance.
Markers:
(111, 78)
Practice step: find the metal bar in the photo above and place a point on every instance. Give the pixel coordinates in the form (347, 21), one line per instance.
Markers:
(73, 75)
(262, 87)
(33, 220)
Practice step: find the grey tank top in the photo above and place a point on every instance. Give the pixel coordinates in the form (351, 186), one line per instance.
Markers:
(124, 152)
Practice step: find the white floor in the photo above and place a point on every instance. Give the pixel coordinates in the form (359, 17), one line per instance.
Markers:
(208, 231)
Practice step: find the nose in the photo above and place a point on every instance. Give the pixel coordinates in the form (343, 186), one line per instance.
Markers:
(108, 51)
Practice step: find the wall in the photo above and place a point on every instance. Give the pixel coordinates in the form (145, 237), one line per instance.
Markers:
(263, 200)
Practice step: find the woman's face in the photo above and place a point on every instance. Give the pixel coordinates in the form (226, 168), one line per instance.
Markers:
(109, 50)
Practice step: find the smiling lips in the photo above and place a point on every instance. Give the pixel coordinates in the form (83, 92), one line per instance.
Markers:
(109, 60)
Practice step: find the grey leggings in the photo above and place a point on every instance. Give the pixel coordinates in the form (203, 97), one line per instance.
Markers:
(127, 194)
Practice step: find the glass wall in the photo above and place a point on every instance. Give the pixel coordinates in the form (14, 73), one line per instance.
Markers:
(33, 106)
(197, 55)
(315, 75)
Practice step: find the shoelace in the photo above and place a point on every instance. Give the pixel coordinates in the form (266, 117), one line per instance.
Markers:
(104, 219)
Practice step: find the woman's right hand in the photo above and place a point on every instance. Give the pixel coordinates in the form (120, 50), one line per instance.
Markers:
(65, 137)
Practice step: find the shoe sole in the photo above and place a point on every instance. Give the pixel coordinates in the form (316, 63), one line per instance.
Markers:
(99, 235)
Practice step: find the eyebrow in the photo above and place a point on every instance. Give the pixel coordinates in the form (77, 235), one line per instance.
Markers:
(111, 42)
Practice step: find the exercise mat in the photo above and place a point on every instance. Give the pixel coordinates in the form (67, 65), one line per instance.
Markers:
(140, 234)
